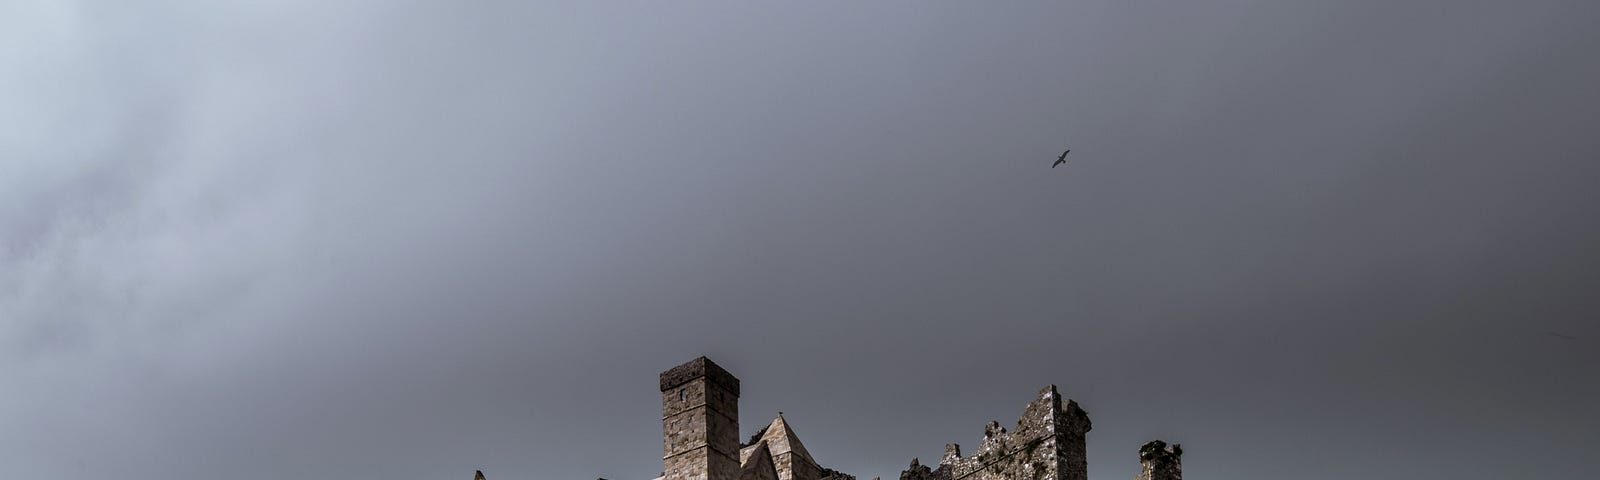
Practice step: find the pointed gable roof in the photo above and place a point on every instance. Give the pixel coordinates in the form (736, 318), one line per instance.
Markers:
(758, 465)
(781, 439)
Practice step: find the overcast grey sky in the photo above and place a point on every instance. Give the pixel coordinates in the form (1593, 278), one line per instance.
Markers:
(407, 240)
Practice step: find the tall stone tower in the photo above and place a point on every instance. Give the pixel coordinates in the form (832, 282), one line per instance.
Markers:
(700, 422)
(1157, 461)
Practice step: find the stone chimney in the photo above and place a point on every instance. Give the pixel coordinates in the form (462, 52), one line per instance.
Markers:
(1158, 461)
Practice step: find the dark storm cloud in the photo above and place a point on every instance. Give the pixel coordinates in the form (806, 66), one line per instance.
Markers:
(410, 240)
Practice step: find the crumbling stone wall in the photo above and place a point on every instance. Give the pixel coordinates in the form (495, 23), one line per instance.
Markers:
(1048, 444)
(1158, 461)
(831, 474)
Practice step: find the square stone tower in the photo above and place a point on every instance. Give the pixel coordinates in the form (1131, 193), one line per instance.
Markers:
(700, 422)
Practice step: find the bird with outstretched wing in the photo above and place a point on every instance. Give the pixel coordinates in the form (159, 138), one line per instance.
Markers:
(1061, 159)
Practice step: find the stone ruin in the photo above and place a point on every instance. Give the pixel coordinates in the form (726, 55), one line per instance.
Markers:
(700, 431)
(1048, 444)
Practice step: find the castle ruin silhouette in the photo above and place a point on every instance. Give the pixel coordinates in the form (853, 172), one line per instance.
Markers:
(700, 439)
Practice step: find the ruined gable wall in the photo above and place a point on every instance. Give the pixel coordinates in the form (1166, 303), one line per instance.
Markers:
(1047, 444)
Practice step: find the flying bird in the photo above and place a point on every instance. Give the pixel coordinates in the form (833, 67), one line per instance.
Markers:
(1554, 334)
(1061, 159)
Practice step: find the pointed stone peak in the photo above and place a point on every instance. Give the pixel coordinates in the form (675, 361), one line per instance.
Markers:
(952, 454)
(780, 438)
(758, 465)
(478, 475)
(760, 447)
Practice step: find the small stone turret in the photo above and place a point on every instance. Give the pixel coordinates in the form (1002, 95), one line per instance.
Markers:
(1159, 461)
